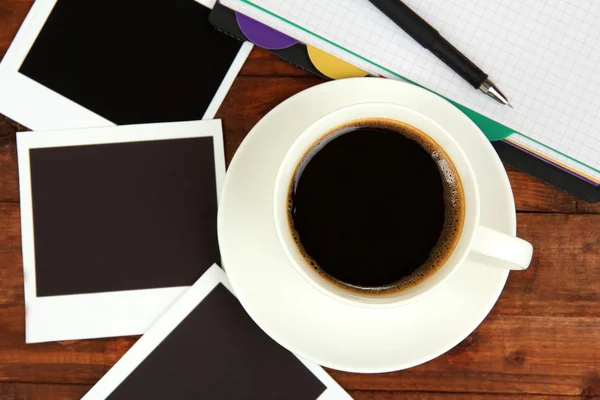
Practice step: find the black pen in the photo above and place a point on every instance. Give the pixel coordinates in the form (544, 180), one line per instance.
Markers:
(417, 28)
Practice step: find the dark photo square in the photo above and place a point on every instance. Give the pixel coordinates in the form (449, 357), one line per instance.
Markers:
(218, 352)
(123, 216)
(132, 61)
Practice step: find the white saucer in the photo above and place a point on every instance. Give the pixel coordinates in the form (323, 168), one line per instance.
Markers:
(297, 315)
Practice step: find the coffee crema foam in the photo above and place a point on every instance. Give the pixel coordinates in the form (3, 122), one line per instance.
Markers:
(453, 200)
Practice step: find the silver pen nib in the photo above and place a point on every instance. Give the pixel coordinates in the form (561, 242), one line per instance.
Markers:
(491, 90)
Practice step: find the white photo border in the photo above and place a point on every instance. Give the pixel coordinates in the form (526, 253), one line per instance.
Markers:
(107, 314)
(163, 327)
(39, 108)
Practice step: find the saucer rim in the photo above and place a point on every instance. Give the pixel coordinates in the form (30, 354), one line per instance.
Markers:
(485, 307)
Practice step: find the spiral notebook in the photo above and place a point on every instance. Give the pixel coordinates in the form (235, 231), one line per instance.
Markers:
(544, 55)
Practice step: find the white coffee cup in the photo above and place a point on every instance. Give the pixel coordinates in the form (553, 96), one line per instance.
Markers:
(491, 248)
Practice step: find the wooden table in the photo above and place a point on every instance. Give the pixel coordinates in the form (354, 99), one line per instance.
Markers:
(541, 341)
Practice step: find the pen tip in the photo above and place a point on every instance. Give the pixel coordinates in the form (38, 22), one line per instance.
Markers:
(491, 90)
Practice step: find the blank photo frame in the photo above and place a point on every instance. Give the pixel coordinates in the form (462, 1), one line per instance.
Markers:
(98, 63)
(207, 347)
(117, 223)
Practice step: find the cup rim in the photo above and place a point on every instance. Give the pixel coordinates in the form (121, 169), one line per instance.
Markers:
(282, 225)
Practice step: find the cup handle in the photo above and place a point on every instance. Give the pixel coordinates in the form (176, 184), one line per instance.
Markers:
(504, 250)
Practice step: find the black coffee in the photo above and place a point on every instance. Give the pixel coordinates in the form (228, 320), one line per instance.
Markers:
(376, 206)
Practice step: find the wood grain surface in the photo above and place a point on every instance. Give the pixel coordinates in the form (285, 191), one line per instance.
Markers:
(540, 342)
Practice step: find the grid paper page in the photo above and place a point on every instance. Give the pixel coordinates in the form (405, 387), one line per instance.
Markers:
(543, 55)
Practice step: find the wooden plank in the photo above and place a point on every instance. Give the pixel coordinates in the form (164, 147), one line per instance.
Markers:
(587, 207)
(6, 391)
(12, 14)
(10, 226)
(531, 194)
(76, 362)
(36, 391)
(11, 270)
(249, 99)
(518, 355)
(33, 391)
(11, 278)
(564, 277)
(261, 62)
(505, 355)
(382, 395)
(9, 178)
(486, 364)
